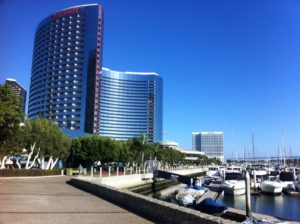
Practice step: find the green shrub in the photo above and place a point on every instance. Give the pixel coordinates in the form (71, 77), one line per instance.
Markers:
(23, 172)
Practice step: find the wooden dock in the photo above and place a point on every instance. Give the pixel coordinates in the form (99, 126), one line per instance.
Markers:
(212, 191)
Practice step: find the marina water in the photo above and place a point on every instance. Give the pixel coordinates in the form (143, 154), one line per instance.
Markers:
(281, 206)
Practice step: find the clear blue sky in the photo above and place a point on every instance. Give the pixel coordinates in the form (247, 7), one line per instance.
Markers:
(231, 66)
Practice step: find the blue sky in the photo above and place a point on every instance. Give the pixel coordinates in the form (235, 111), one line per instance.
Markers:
(230, 66)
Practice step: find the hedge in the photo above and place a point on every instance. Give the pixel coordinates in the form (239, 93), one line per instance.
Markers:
(23, 172)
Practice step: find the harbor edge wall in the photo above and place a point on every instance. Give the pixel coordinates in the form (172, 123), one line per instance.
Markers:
(156, 210)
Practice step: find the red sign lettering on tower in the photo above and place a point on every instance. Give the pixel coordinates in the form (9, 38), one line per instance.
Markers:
(64, 13)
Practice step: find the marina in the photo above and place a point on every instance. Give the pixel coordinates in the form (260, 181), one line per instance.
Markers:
(281, 206)
(282, 203)
(197, 197)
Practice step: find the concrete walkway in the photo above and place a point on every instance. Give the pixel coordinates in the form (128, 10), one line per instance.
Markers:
(51, 200)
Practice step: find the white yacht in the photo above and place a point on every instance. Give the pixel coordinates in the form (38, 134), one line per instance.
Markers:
(234, 183)
(234, 168)
(259, 170)
(215, 171)
(287, 179)
(271, 186)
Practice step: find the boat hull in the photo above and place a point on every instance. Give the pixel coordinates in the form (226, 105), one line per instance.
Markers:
(232, 191)
(297, 185)
(234, 187)
(271, 187)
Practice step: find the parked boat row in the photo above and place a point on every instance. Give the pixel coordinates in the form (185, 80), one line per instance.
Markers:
(264, 178)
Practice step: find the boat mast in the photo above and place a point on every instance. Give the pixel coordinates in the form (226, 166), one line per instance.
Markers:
(283, 148)
(253, 148)
(291, 155)
(279, 155)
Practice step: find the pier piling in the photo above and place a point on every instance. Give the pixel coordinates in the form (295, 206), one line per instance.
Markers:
(248, 197)
(254, 178)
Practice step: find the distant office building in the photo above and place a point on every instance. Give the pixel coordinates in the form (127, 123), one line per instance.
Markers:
(211, 143)
(66, 67)
(131, 104)
(19, 91)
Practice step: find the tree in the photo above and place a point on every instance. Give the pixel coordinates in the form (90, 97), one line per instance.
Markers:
(170, 155)
(204, 160)
(88, 149)
(10, 117)
(46, 140)
(139, 146)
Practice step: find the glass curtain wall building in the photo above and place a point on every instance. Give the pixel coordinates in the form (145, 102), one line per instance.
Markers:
(66, 67)
(211, 143)
(130, 105)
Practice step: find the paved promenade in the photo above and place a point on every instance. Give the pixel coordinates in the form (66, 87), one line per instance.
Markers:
(51, 200)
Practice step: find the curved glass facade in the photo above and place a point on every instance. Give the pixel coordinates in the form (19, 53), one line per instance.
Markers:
(130, 105)
(66, 66)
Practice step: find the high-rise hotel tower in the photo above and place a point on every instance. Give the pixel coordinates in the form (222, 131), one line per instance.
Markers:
(66, 67)
(131, 105)
(68, 86)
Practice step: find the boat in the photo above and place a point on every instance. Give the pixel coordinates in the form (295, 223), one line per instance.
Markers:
(209, 206)
(297, 185)
(259, 170)
(185, 199)
(287, 179)
(234, 168)
(271, 186)
(187, 195)
(234, 183)
(258, 174)
(213, 172)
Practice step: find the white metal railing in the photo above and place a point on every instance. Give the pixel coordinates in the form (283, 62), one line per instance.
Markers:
(140, 170)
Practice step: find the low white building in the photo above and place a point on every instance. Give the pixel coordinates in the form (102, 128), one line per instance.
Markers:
(189, 154)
